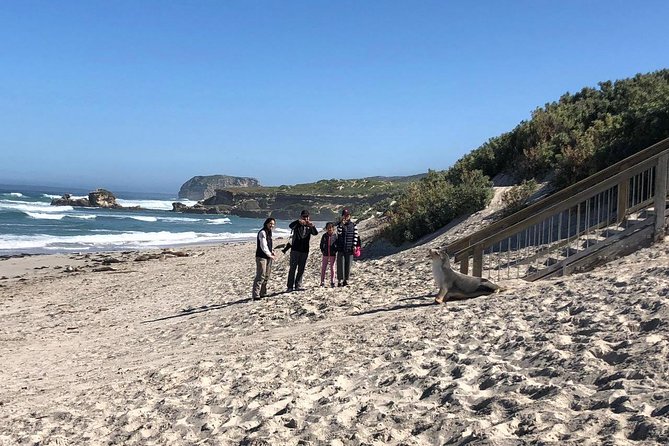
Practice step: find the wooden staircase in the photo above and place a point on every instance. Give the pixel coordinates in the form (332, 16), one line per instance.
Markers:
(607, 215)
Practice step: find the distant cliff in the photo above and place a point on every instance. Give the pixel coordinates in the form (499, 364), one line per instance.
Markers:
(203, 187)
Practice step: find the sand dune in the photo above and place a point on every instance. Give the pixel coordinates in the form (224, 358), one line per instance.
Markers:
(172, 351)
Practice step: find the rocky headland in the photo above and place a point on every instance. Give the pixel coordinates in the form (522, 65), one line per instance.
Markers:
(282, 205)
(325, 199)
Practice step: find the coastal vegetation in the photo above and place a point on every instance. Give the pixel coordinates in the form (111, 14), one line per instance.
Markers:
(566, 141)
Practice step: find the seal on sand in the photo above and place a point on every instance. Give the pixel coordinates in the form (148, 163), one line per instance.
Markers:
(455, 284)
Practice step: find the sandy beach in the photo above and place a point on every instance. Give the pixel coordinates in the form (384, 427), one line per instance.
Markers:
(168, 348)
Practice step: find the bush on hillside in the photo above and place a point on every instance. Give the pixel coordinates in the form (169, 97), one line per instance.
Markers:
(571, 138)
(516, 197)
(580, 133)
(434, 201)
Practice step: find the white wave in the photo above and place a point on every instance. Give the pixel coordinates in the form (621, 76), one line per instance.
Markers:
(45, 216)
(27, 206)
(177, 219)
(72, 197)
(130, 216)
(114, 241)
(159, 205)
(280, 232)
(16, 194)
(219, 221)
(82, 216)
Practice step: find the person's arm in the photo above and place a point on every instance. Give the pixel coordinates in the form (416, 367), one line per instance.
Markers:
(293, 224)
(314, 231)
(356, 237)
(324, 244)
(263, 244)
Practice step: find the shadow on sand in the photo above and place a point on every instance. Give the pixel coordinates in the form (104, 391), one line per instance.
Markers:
(412, 305)
(206, 308)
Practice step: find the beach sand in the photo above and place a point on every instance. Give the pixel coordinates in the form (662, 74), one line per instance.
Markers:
(104, 349)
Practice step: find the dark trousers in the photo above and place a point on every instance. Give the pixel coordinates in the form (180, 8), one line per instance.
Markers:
(298, 261)
(343, 266)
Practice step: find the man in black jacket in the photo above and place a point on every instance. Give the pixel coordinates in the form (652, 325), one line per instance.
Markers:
(302, 229)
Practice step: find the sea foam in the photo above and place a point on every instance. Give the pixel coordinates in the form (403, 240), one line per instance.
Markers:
(157, 205)
(27, 206)
(45, 215)
(115, 241)
(218, 221)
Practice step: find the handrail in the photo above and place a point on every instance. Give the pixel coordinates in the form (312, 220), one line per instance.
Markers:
(469, 241)
(573, 200)
(643, 166)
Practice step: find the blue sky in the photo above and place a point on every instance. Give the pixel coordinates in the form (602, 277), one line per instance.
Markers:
(143, 95)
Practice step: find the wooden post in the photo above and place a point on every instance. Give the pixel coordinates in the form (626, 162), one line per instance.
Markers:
(623, 198)
(660, 196)
(464, 264)
(477, 269)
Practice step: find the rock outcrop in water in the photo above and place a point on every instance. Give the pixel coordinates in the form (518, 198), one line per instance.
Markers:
(99, 198)
(198, 208)
(203, 187)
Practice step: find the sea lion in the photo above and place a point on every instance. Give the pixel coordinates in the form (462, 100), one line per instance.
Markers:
(455, 284)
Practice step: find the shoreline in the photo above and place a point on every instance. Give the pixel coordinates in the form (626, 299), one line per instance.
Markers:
(25, 266)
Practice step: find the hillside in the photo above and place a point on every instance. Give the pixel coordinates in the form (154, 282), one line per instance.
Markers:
(566, 141)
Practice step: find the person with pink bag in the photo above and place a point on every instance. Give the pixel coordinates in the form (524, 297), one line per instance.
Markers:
(348, 241)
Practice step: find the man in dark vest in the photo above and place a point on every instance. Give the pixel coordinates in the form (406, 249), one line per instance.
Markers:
(302, 229)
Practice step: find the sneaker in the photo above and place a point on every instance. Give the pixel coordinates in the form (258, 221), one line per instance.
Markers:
(289, 290)
(322, 284)
(301, 288)
(332, 284)
(339, 283)
(345, 283)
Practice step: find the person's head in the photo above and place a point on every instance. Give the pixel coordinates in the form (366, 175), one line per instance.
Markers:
(269, 223)
(345, 215)
(304, 215)
(329, 227)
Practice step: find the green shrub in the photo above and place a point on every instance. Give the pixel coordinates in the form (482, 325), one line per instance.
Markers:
(434, 201)
(516, 197)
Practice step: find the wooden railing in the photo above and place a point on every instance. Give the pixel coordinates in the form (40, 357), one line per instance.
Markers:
(560, 229)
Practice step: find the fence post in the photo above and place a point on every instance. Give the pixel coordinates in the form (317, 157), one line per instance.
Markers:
(477, 268)
(623, 192)
(660, 195)
(464, 264)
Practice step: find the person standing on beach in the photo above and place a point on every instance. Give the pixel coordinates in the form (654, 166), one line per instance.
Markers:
(329, 250)
(302, 229)
(264, 258)
(347, 240)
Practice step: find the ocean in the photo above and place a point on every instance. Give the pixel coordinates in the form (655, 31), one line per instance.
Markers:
(30, 225)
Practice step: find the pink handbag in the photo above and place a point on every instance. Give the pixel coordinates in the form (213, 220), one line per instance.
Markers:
(357, 252)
